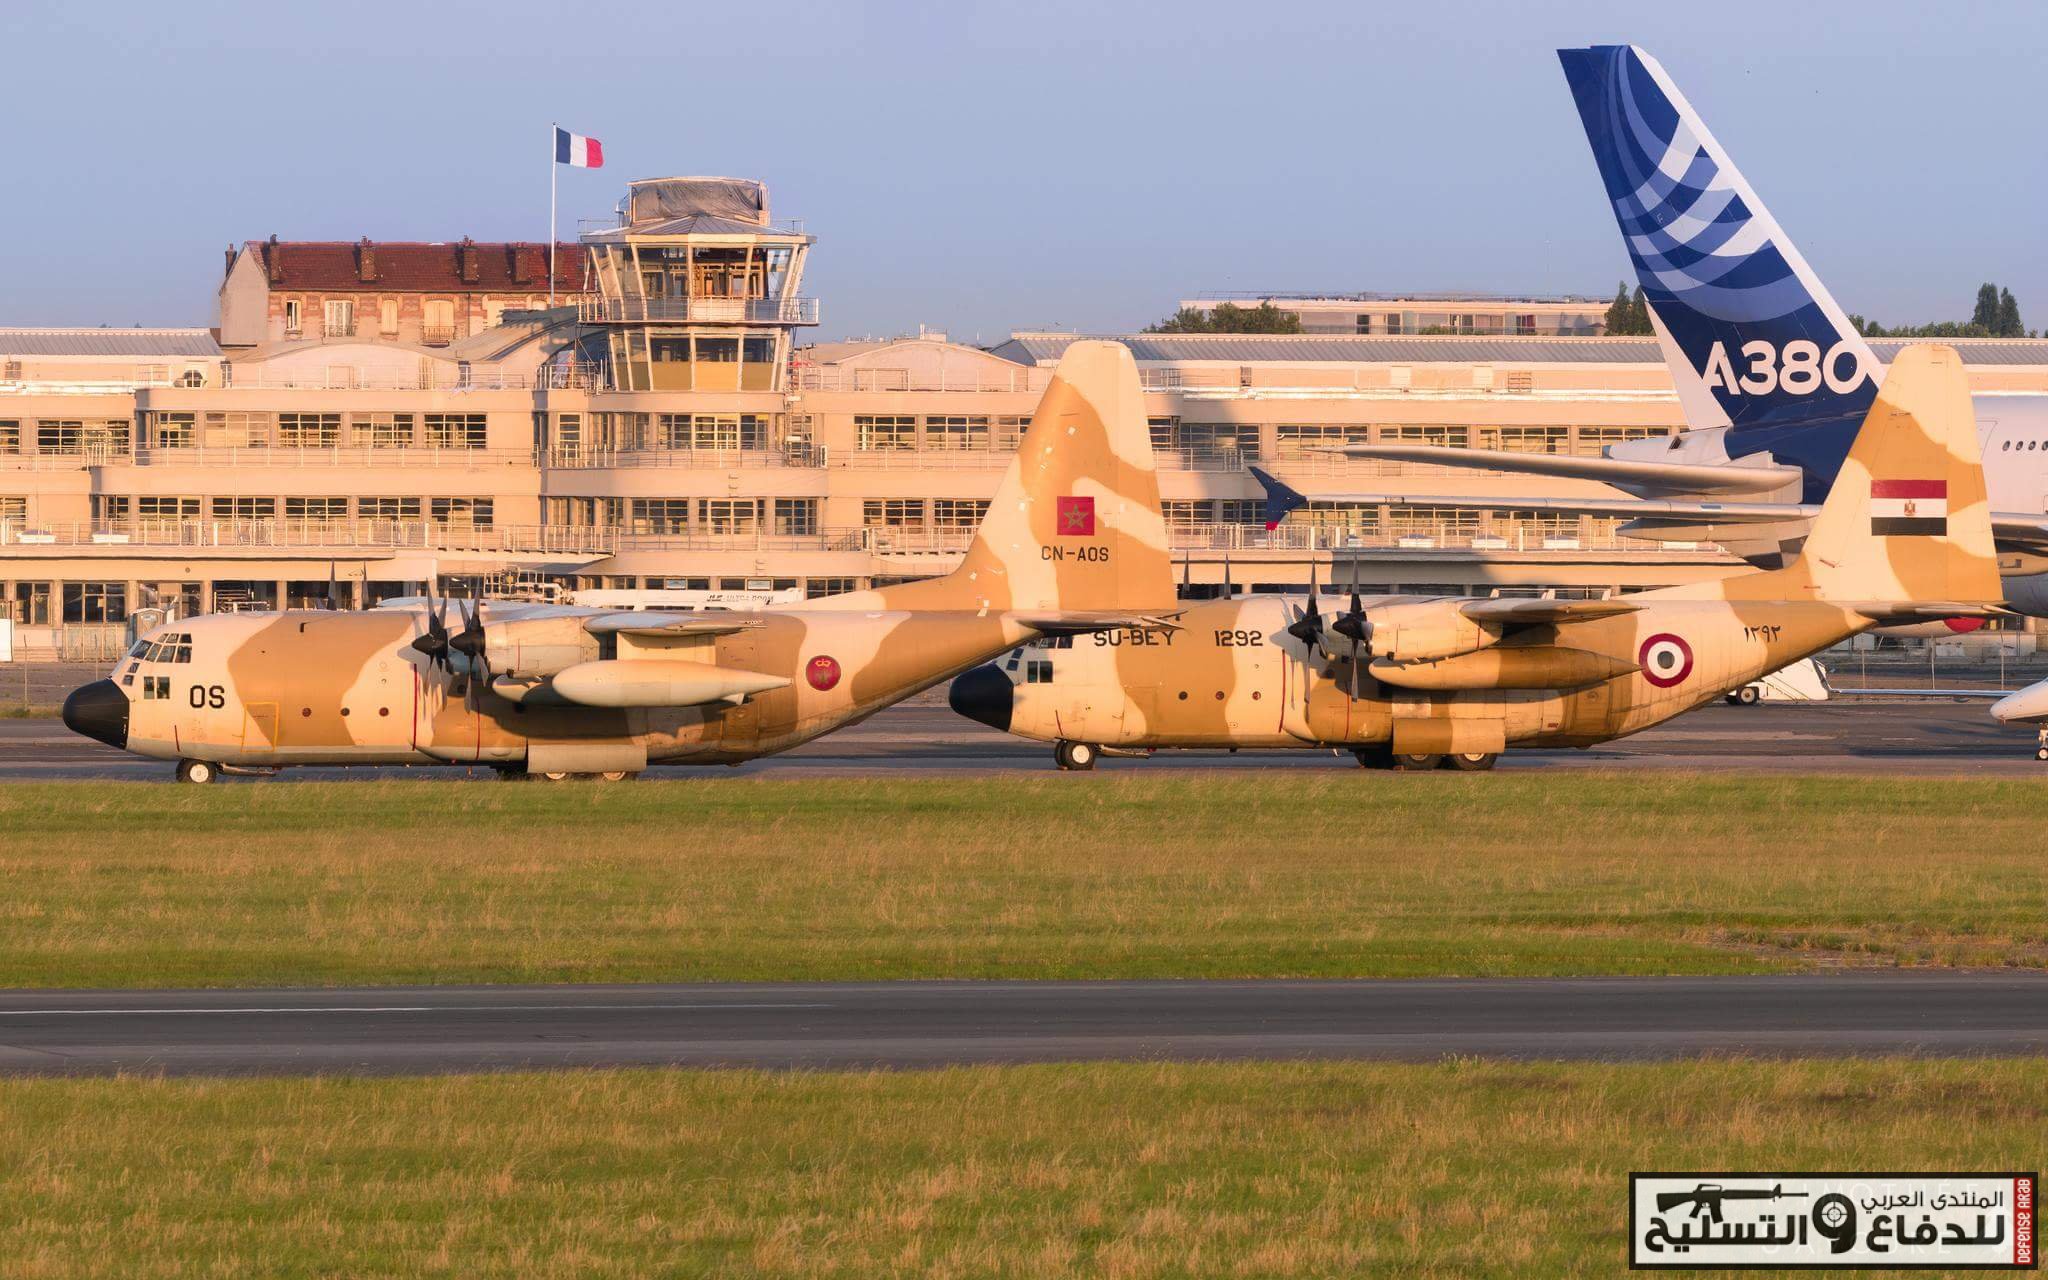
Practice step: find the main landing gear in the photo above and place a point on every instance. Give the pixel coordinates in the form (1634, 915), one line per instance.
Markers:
(518, 773)
(1417, 762)
(2041, 750)
(1075, 757)
(197, 771)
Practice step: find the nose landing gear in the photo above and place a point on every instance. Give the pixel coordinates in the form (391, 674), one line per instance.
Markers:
(201, 771)
(1075, 757)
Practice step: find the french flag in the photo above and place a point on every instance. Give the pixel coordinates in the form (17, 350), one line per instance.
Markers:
(577, 150)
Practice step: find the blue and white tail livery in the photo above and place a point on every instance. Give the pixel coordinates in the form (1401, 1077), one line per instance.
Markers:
(1732, 299)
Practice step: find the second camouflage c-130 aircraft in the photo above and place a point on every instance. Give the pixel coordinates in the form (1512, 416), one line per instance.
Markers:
(1072, 542)
(1408, 682)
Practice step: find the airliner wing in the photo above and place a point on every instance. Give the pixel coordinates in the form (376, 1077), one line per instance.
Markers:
(1624, 473)
(2016, 528)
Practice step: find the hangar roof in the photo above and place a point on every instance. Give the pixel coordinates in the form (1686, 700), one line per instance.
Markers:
(109, 342)
(1170, 348)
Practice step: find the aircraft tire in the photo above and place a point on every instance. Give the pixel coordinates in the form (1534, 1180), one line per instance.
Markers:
(199, 771)
(1413, 762)
(2041, 753)
(615, 775)
(1748, 695)
(1471, 761)
(1075, 757)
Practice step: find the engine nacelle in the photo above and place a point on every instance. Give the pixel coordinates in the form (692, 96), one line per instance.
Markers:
(1427, 629)
(1523, 667)
(658, 682)
(538, 646)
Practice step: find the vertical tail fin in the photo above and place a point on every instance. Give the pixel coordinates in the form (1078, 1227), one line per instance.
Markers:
(1907, 519)
(1075, 524)
(1282, 499)
(1752, 336)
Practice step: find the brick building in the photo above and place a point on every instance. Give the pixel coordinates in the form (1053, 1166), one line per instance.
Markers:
(386, 291)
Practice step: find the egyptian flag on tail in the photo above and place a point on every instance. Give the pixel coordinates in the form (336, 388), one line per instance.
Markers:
(576, 150)
(1908, 508)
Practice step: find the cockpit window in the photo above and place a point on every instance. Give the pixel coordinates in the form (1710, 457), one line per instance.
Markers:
(170, 648)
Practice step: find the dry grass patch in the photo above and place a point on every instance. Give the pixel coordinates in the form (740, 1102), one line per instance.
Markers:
(1456, 1169)
(1152, 875)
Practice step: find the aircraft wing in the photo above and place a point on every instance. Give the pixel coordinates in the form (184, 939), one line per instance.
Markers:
(1623, 473)
(2015, 528)
(1537, 612)
(1080, 622)
(669, 624)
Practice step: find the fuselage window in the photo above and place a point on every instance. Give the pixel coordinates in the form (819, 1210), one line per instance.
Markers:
(1038, 671)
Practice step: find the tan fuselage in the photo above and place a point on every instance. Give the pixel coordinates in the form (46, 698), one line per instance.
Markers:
(1233, 677)
(347, 688)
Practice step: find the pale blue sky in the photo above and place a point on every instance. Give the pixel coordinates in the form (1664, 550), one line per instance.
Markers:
(985, 168)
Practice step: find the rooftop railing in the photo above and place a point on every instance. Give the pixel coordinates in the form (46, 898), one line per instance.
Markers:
(576, 457)
(813, 377)
(328, 457)
(432, 375)
(636, 309)
(288, 534)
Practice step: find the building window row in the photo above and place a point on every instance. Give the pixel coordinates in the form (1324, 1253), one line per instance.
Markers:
(904, 432)
(238, 429)
(147, 509)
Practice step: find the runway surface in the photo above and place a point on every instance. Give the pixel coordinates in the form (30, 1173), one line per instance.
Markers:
(1938, 736)
(924, 1024)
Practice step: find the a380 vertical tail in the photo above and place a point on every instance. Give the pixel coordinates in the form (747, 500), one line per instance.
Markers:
(1732, 299)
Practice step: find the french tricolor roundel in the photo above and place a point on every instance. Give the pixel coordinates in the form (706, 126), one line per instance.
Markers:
(1908, 508)
(577, 150)
(1665, 660)
(822, 672)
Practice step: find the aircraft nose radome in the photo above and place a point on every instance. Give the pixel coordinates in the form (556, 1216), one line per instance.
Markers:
(2030, 703)
(984, 695)
(98, 710)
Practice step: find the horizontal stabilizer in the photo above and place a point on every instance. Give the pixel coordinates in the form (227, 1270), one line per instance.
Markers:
(1935, 610)
(1081, 622)
(1535, 612)
(1622, 473)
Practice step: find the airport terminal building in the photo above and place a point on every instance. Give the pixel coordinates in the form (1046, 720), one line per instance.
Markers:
(384, 414)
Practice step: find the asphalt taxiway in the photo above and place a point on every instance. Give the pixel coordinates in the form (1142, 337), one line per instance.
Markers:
(1850, 735)
(926, 1024)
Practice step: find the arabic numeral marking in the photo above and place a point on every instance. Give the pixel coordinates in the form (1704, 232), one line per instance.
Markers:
(1799, 369)
(1838, 383)
(1801, 372)
(1762, 378)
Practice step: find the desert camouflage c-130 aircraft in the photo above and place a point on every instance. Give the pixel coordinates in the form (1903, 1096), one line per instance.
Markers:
(1904, 534)
(1072, 542)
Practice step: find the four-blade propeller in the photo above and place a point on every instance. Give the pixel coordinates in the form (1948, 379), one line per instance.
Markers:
(433, 642)
(469, 642)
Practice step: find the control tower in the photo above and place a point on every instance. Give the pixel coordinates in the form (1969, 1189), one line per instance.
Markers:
(696, 289)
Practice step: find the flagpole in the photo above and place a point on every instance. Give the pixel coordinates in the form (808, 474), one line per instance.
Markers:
(552, 167)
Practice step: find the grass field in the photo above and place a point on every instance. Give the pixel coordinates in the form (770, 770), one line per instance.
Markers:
(1135, 1170)
(1038, 877)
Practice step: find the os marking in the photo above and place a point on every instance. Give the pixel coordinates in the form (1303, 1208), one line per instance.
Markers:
(1665, 660)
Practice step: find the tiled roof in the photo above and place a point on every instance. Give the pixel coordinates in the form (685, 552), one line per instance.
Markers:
(109, 342)
(335, 266)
